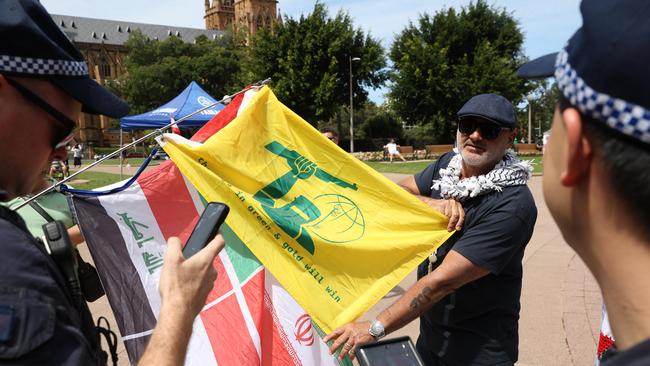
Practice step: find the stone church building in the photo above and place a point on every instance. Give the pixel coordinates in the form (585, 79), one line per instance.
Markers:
(102, 42)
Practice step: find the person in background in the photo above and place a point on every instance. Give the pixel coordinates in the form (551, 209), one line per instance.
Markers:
(77, 154)
(393, 150)
(331, 134)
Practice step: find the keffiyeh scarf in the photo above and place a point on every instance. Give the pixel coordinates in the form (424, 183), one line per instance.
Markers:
(510, 171)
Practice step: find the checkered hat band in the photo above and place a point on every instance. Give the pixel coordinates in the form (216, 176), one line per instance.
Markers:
(41, 66)
(626, 117)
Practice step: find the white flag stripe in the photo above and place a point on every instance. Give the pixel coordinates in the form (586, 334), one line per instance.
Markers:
(199, 350)
(131, 211)
(234, 280)
(241, 300)
(248, 96)
(230, 292)
(137, 335)
(288, 312)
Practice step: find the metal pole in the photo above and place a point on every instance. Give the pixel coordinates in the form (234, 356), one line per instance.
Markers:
(350, 59)
(351, 110)
(530, 117)
(159, 131)
(121, 143)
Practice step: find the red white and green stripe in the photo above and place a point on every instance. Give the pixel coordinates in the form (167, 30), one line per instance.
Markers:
(248, 319)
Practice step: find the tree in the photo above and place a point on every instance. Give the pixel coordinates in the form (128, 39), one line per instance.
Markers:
(451, 56)
(158, 70)
(543, 102)
(370, 121)
(308, 60)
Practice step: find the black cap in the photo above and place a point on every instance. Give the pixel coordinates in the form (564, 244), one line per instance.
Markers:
(33, 46)
(603, 70)
(491, 107)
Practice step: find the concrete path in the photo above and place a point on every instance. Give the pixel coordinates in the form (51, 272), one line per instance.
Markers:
(560, 301)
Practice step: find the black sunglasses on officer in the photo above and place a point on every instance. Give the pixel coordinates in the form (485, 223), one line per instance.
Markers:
(488, 129)
(64, 134)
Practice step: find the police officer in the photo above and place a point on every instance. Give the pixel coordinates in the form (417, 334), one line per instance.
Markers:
(597, 162)
(44, 86)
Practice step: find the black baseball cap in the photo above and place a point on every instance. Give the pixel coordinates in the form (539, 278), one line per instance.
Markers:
(33, 46)
(603, 70)
(491, 107)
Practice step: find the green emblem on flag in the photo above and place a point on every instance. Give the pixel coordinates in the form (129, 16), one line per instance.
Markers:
(294, 218)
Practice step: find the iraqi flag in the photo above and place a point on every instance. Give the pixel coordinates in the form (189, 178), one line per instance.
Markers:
(248, 318)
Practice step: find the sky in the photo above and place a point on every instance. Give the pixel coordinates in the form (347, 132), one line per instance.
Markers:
(546, 25)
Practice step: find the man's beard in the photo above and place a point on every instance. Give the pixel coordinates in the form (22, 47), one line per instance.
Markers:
(488, 157)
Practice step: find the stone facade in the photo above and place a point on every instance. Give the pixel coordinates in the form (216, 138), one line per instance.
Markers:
(247, 15)
(101, 42)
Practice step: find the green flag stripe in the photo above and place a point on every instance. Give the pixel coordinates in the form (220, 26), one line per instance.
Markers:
(241, 257)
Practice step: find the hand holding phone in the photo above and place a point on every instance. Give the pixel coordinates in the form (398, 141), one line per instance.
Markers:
(206, 228)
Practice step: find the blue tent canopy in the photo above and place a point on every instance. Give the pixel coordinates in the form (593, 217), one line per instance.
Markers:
(190, 100)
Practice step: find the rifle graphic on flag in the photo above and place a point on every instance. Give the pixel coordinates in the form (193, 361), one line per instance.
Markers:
(322, 222)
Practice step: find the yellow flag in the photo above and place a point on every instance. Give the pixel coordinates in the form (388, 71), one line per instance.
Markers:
(335, 233)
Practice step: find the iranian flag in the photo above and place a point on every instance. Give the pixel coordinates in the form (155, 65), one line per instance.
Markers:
(248, 318)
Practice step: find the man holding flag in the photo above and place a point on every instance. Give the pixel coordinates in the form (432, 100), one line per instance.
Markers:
(44, 86)
(468, 291)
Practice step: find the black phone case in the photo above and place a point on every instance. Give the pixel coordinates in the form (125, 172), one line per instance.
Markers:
(206, 228)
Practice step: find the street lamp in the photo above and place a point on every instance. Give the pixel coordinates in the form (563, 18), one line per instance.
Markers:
(350, 58)
(530, 115)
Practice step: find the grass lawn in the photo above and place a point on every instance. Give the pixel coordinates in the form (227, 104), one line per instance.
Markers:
(412, 167)
(96, 179)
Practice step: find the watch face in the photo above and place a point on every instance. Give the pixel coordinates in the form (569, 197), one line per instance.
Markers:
(377, 329)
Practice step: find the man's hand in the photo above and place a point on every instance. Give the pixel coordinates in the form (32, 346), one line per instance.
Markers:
(184, 286)
(185, 283)
(350, 336)
(450, 208)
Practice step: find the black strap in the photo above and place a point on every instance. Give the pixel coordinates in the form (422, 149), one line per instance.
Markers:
(110, 336)
(41, 211)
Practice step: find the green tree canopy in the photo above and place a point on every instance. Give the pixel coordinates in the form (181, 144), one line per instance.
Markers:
(451, 56)
(158, 70)
(308, 60)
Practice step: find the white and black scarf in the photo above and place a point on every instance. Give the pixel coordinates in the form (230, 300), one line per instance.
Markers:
(510, 171)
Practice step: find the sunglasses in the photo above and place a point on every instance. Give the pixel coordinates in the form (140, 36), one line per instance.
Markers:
(489, 131)
(63, 135)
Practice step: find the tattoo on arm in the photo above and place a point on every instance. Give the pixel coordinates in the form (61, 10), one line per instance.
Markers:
(422, 298)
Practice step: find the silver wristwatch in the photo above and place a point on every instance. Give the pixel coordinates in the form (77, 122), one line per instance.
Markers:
(376, 329)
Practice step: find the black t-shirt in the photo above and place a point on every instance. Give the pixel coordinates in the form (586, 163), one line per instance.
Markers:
(638, 355)
(39, 322)
(478, 323)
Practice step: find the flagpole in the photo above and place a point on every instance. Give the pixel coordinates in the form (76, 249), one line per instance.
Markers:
(226, 99)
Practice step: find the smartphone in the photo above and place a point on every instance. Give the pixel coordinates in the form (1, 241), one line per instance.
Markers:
(391, 352)
(206, 228)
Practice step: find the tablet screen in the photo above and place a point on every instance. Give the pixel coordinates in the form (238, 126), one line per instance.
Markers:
(392, 352)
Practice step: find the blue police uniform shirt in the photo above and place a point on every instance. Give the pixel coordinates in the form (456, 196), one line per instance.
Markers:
(637, 355)
(478, 323)
(39, 322)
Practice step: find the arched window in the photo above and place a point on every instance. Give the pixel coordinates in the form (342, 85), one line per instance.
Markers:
(104, 68)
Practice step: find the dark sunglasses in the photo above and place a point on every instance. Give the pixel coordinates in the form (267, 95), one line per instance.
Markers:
(63, 135)
(489, 131)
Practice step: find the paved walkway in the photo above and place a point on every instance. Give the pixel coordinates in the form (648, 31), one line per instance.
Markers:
(560, 301)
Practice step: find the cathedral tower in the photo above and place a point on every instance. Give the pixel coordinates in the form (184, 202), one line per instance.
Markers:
(250, 15)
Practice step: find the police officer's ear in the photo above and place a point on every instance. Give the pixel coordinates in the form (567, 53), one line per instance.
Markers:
(579, 152)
